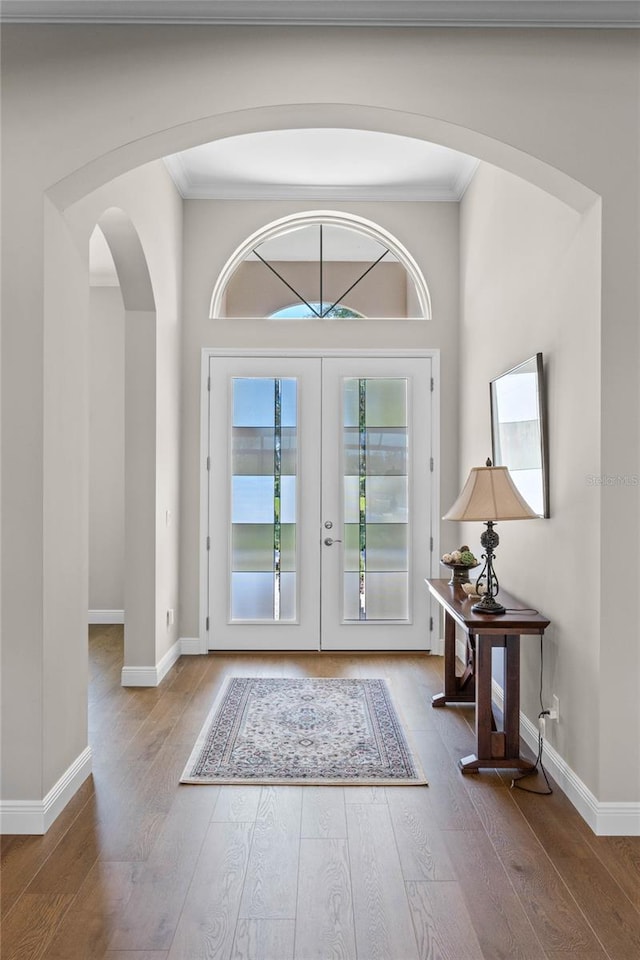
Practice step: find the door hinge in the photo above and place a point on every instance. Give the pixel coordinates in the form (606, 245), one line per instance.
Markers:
(209, 384)
(206, 624)
(208, 463)
(430, 624)
(433, 384)
(431, 544)
(208, 543)
(431, 464)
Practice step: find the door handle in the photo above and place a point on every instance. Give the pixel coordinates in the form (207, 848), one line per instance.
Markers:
(329, 541)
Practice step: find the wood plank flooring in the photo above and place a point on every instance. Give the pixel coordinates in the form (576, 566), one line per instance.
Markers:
(138, 867)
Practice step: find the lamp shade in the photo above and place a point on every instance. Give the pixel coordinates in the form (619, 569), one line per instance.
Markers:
(490, 494)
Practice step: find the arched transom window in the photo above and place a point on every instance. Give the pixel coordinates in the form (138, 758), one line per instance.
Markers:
(321, 267)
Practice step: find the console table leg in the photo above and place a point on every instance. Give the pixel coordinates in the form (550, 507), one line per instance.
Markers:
(484, 709)
(512, 696)
(450, 685)
(456, 689)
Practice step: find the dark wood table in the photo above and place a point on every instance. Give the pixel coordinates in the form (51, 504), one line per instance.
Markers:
(484, 632)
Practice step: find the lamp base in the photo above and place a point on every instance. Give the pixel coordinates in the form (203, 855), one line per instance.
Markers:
(488, 605)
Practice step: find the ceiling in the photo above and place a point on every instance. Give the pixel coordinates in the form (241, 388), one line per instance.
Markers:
(465, 13)
(321, 164)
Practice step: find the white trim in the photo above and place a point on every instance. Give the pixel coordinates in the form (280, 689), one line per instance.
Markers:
(497, 696)
(106, 616)
(617, 820)
(434, 555)
(170, 657)
(605, 819)
(36, 816)
(178, 172)
(409, 352)
(139, 677)
(205, 432)
(437, 647)
(284, 225)
(190, 646)
(190, 189)
(462, 181)
(377, 13)
(151, 676)
(212, 352)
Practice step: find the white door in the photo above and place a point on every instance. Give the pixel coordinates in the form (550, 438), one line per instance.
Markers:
(319, 505)
(376, 494)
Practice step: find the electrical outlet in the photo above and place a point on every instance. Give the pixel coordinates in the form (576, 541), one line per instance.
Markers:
(554, 712)
(170, 618)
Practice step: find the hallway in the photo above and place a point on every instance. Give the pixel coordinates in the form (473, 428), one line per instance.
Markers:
(138, 867)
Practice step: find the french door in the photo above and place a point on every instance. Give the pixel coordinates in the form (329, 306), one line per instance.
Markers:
(319, 503)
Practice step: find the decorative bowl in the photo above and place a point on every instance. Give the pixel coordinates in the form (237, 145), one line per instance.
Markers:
(459, 571)
(473, 591)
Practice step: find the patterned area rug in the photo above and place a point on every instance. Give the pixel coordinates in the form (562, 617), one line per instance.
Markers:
(314, 731)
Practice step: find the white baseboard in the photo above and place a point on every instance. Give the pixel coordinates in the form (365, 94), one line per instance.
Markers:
(605, 819)
(36, 816)
(106, 616)
(139, 677)
(437, 647)
(151, 676)
(190, 646)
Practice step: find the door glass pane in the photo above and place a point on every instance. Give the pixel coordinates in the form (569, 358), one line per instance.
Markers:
(388, 596)
(376, 499)
(252, 546)
(386, 403)
(252, 499)
(387, 546)
(263, 498)
(253, 451)
(386, 453)
(251, 596)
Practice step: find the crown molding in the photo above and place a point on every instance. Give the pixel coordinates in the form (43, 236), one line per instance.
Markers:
(430, 13)
(190, 189)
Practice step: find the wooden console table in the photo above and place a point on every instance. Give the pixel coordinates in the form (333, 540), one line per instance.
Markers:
(484, 632)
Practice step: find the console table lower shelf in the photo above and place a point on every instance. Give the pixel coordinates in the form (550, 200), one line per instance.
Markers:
(484, 633)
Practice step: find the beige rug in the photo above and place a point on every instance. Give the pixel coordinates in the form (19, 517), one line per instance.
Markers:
(311, 730)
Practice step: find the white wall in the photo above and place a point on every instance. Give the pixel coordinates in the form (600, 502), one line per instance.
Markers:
(212, 231)
(530, 279)
(559, 107)
(106, 448)
(149, 198)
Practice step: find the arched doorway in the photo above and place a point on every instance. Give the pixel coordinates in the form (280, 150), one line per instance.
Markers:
(121, 159)
(134, 438)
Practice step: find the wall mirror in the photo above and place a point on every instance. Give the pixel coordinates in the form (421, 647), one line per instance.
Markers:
(519, 430)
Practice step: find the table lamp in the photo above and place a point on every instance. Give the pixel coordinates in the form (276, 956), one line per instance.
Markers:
(490, 495)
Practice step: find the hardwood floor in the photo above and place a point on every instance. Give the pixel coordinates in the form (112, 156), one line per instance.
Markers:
(139, 867)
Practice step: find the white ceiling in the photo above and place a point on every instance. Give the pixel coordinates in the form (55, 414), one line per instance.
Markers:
(321, 164)
(465, 13)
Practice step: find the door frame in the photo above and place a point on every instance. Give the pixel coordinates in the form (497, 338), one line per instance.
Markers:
(318, 352)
